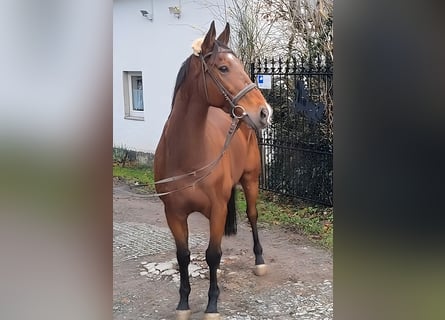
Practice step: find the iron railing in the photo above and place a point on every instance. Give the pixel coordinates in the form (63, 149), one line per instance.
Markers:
(297, 149)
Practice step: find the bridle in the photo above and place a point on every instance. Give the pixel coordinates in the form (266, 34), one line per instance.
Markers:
(233, 102)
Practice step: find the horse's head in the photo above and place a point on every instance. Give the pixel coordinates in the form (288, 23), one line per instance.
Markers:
(227, 84)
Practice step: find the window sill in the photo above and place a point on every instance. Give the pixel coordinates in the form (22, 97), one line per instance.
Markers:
(134, 118)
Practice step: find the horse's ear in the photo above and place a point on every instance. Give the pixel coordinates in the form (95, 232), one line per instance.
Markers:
(224, 36)
(209, 40)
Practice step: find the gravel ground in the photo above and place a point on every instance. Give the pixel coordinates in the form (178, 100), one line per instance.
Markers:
(289, 301)
(297, 286)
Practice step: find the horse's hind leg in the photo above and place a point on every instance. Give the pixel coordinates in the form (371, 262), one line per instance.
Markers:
(250, 187)
(179, 229)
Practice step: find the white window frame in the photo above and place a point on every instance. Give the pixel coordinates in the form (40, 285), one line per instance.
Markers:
(130, 113)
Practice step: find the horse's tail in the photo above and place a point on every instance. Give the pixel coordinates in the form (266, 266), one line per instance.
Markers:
(230, 227)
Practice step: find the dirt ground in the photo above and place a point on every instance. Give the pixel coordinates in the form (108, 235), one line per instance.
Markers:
(298, 284)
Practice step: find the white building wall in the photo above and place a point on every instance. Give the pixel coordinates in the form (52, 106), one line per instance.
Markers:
(157, 48)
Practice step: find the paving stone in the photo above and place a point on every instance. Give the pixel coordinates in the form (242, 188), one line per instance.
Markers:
(132, 240)
(169, 272)
(150, 266)
(164, 266)
(193, 268)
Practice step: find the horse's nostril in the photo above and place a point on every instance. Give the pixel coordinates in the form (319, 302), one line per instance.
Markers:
(264, 113)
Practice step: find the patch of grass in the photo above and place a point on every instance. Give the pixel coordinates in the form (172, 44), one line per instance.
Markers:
(142, 176)
(314, 221)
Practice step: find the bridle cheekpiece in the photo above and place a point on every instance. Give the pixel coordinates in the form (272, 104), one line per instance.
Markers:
(233, 102)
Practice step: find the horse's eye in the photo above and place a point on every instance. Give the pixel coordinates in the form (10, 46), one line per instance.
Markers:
(223, 69)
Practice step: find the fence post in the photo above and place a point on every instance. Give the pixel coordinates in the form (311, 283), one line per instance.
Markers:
(252, 71)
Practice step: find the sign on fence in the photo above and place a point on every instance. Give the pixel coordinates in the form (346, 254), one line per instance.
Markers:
(264, 81)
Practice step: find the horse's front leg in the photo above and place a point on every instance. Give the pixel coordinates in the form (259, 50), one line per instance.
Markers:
(250, 187)
(213, 258)
(179, 228)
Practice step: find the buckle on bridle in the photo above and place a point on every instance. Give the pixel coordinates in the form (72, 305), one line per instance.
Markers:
(243, 112)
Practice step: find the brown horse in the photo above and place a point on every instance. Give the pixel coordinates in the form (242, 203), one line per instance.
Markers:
(203, 154)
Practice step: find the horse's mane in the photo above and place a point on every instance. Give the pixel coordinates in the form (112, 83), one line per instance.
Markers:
(182, 73)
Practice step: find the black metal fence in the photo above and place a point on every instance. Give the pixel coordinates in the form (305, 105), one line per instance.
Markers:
(297, 148)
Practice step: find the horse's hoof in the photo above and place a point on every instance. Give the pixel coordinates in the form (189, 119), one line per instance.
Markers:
(183, 314)
(260, 269)
(211, 316)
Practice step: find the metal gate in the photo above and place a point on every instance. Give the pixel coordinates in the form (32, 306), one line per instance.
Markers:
(297, 147)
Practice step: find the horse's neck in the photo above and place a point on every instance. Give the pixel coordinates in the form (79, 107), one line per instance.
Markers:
(186, 137)
(189, 115)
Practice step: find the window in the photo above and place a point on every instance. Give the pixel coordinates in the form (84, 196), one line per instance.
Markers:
(133, 95)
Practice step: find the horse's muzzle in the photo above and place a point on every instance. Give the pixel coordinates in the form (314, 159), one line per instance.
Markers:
(265, 117)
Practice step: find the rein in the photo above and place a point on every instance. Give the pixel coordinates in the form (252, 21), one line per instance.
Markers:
(233, 127)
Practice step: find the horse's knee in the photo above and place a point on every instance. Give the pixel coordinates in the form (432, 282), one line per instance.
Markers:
(213, 257)
(183, 256)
